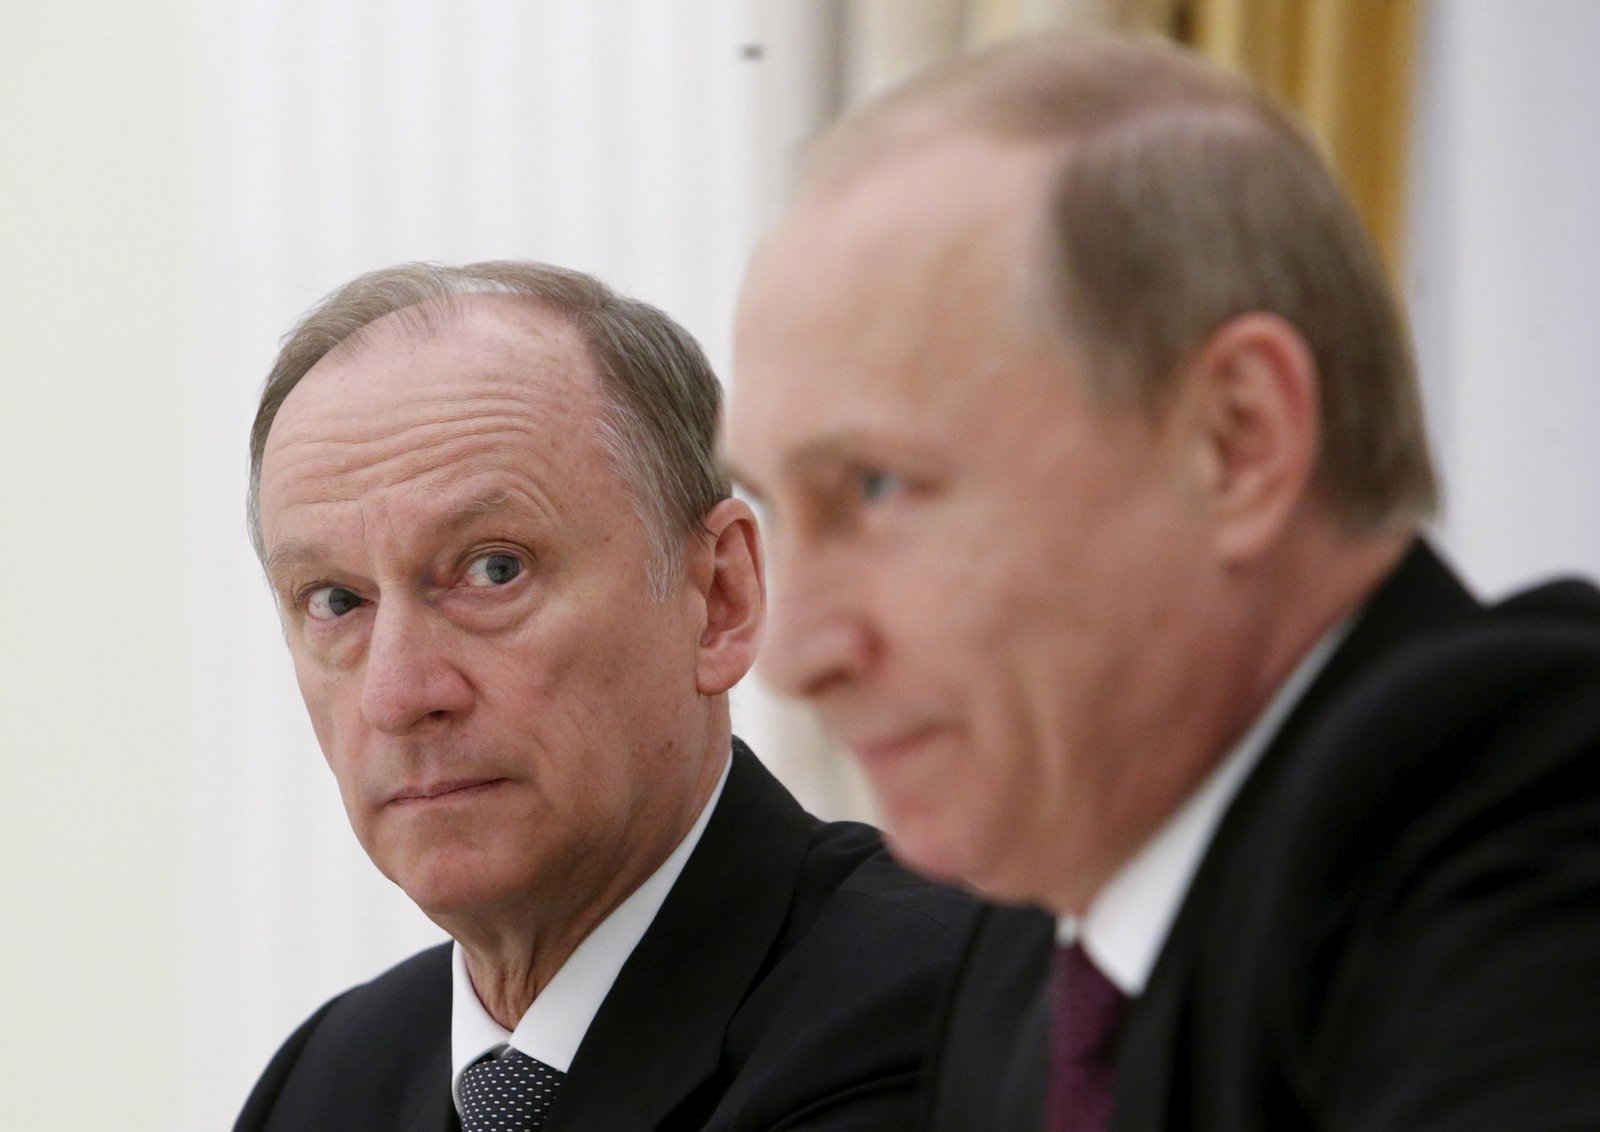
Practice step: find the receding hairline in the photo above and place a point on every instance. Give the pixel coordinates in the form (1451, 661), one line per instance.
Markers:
(657, 395)
(1036, 90)
(439, 315)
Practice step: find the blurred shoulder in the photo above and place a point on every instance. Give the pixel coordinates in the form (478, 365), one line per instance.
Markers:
(849, 875)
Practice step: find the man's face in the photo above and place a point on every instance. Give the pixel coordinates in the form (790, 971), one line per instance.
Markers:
(983, 580)
(462, 576)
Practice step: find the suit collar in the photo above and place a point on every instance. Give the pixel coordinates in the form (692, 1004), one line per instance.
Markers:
(1421, 595)
(435, 1111)
(658, 1035)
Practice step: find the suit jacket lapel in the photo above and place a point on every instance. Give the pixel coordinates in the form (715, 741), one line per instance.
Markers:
(1152, 1076)
(658, 1035)
(435, 1110)
(991, 1069)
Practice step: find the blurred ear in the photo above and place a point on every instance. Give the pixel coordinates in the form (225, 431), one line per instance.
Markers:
(1250, 396)
(735, 597)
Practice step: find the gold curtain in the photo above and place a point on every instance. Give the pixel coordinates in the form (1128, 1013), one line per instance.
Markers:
(1344, 66)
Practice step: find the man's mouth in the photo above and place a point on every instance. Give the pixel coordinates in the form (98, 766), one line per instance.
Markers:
(887, 747)
(446, 790)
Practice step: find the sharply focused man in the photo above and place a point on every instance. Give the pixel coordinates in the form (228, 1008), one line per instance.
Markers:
(1092, 447)
(517, 594)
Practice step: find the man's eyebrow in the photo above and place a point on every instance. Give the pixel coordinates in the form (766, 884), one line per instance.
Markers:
(300, 552)
(485, 504)
(824, 455)
(839, 450)
(293, 552)
(489, 504)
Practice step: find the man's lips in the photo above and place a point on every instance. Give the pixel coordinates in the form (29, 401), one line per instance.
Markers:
(446, 790)
(887, 747)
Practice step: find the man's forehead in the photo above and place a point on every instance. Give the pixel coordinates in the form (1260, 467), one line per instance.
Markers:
(935, 180)
(492, 391)
(868, 274)
(937, 228)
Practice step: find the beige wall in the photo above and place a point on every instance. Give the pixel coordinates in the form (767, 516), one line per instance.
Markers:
(94, 218)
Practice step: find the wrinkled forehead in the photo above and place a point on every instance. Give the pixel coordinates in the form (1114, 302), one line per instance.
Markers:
(491, 395)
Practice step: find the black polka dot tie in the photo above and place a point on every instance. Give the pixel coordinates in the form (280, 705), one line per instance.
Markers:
(510, 1093)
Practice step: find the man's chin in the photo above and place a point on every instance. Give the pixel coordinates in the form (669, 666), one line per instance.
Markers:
(449, 887)
(922, 842)
(945, 849)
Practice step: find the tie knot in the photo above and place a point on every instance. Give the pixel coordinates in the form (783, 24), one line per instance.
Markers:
(1088, 1007)
(509, 1093)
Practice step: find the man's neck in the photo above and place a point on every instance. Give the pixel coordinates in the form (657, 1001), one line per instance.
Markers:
(554, 1024)
(1322, 578)
(508, 971)
(1316, 578)
(513, 953)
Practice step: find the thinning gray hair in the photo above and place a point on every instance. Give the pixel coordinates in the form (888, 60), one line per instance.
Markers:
(660, 400)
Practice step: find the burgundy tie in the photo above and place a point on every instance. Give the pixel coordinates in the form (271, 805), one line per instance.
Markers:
(1085, 1012)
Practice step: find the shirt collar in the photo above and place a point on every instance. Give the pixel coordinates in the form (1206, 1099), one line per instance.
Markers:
(555, 1024)
(1126, 924)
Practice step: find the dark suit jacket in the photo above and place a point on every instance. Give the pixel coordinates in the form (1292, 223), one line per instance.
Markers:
(1397, 925)
(789, 981)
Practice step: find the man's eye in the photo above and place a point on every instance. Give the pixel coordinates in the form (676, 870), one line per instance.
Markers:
(329, 602)
(875, 484)
(493, 569)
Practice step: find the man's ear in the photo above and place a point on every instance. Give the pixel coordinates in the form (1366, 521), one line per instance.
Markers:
(1250, 397)
(735, 597)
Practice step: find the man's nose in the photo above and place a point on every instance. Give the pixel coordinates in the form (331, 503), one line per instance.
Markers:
(411, 675)
(817, 638)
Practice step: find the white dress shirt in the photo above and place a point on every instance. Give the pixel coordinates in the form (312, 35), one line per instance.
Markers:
(1126, 925)
(554, 1025)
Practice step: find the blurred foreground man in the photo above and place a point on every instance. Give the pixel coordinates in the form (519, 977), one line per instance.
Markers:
(517, 594)
(1093, 448)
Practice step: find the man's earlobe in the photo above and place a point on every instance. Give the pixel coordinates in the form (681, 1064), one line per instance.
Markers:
(1254, 391)
(735, 598)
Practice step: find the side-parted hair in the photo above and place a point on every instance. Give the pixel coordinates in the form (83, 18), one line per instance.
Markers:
(1183, 199)
(660, 399)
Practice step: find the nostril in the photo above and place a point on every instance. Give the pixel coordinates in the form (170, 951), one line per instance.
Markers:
(822, 683)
